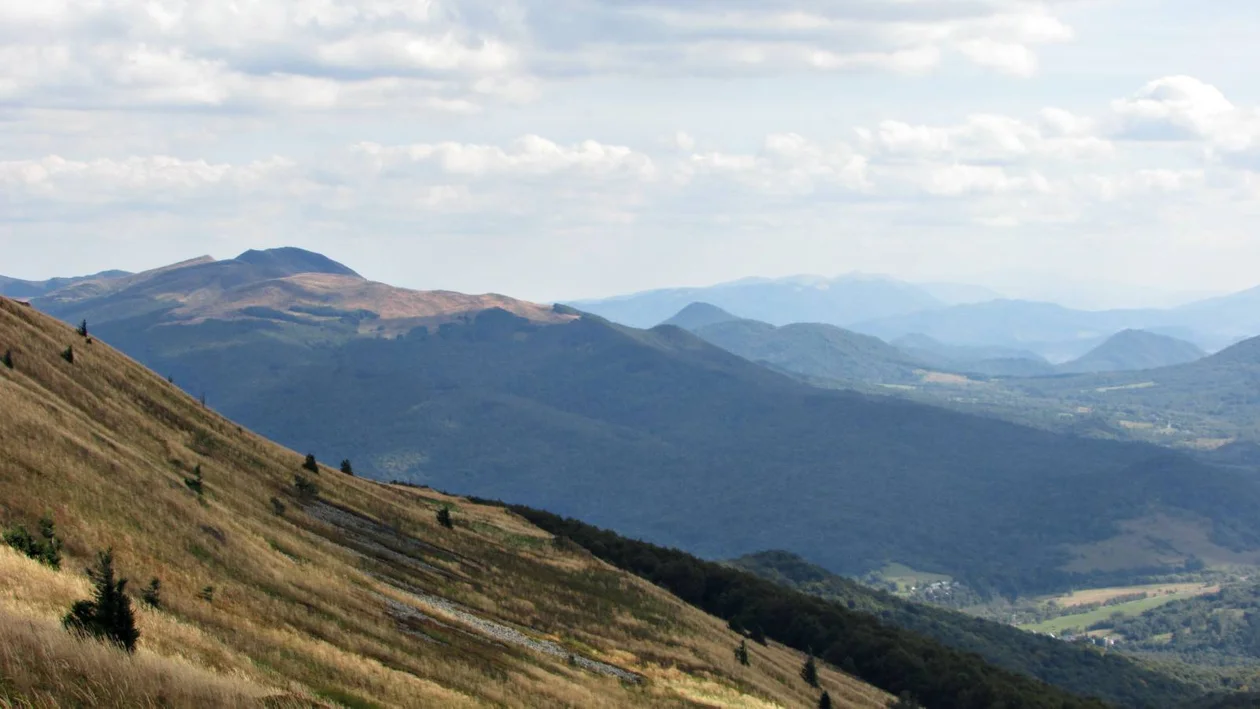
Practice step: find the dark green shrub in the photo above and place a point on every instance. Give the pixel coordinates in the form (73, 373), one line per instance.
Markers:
(346, 467)
(196, 483)
(45, 548)
(809, 672)
(304, 488)
(83, 331)
(108, 615)
(444, 518)
(741, 653)
(277, 507)
(68, 354)
(310, 464)
(152, 594)
(207, 594)
(7, 360)
(824, 702)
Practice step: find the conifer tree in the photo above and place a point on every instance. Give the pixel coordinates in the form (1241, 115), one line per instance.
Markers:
(50, 547)
(7, 360)
(310, 463)
(809, 672)
(83, 331)
(741, 653)
(68, 355)
(108, 615)
(757, 634)
(305, 489)
(152, 594)
(824, 702)
(444, 518)
(346, 467)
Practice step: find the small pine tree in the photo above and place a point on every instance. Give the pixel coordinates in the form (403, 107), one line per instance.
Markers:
(108, 615)
(824, 702)
(83, 331)
(346, 467)
(305, 489)
(7, 360)
(152, 594)
(207, 594)
(277, 507)
(195, 483)
(310, 464)
(68, 355)
(50, 546)
(44, 548)
(809, 672)
(757, 635)
(444, 518)
(741, 653)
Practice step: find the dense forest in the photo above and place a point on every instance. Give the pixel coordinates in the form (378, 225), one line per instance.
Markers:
(887, 656)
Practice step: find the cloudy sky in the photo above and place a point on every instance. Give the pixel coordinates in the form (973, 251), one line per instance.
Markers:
(568, 148)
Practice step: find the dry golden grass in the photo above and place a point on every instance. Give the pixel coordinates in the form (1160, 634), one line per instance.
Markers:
(301, 610)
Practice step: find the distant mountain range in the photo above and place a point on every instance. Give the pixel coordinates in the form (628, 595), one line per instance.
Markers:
(656, 433)
(784, 301)
(955, 315)
(17, 288)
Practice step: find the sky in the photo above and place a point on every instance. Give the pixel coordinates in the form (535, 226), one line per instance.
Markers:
(1081, 150)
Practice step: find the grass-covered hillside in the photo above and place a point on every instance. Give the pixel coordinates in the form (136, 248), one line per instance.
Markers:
(283, 586)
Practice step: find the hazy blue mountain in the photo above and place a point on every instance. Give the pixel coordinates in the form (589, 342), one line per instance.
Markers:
(1052, 331)
(989, 360)
(17, 288)
(698, 315)
(654, 432)
(1130, 350)
(810, 349)
(782, 301)
(960, 293)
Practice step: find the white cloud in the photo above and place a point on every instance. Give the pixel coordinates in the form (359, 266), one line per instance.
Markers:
(459, 54)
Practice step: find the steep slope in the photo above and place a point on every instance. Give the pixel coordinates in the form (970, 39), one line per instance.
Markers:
(1131, 350)
(810, 349)
(18, 288)
(664, 436)
(835, 301)
(348, 595)
(1075, 667)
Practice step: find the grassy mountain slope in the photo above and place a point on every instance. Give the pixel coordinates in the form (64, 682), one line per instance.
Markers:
(1131, 350)
(849, 638)
(1075, 667)
(354, 597)
(663, 436)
